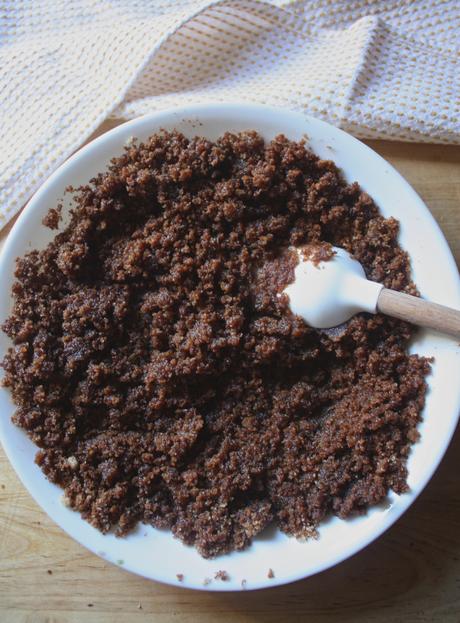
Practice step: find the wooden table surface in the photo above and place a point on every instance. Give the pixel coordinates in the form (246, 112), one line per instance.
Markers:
(411, 574)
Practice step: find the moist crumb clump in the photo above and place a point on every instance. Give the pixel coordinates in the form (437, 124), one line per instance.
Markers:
(53, 217)
(163, 383)
(317, 252)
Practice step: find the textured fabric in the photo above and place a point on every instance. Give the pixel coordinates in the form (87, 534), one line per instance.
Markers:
(382, 69)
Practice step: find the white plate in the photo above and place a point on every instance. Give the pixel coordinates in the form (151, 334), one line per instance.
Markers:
(156, 554)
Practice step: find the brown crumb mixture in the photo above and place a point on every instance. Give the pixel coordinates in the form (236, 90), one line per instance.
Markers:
(162, 387)
(274, 275)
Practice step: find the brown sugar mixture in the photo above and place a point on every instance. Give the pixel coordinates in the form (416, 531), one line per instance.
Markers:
(163, 384)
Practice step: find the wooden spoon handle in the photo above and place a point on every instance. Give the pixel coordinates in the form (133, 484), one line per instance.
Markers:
(419, 312)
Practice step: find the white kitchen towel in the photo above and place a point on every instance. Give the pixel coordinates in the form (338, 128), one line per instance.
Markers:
(379, 69)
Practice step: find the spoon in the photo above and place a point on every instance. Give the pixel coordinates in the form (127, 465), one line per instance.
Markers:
(326, 293)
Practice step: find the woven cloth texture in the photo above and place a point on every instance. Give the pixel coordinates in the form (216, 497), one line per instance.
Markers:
(378, 69)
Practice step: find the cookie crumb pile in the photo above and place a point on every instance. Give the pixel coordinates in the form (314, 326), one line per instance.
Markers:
(163, 384)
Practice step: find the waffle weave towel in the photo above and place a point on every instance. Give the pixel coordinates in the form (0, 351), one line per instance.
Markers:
(379, 69)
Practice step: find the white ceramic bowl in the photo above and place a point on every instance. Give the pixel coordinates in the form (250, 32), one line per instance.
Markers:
(156, 554)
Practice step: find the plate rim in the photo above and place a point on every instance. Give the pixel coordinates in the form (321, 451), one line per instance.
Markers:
(198, 110)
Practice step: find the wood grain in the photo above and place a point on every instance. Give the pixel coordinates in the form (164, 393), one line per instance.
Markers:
(419, 312)
(410, 575)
